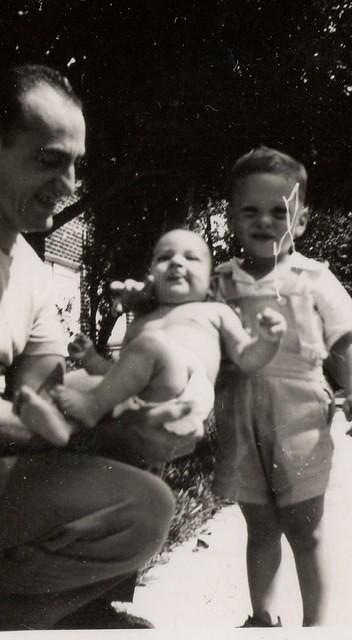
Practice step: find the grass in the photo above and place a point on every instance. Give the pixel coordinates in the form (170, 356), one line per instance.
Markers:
(190, 479)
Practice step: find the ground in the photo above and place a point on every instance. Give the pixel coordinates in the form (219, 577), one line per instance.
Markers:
(202, 584)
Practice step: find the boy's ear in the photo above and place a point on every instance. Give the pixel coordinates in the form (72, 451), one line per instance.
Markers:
(302, 222)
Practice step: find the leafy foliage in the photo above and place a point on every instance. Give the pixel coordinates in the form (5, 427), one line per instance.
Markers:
(175, 91)
(329, 238)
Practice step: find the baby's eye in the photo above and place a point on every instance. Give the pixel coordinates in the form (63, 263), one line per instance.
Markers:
(162, 257)
(192, 257)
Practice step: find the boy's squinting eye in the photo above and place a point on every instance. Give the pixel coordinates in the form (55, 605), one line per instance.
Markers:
(249, 211)
(280, 213)
(192, 256)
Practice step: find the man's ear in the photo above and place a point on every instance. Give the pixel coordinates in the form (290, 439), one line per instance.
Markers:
(302, 222)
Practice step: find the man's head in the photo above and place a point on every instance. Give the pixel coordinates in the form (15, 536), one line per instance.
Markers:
(266, 192)
(42, 136)
(181, 268)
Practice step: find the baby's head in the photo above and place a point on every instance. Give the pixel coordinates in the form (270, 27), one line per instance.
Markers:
(181, 268)
(259, 184)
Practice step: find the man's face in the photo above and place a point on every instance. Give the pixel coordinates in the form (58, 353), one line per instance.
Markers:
(37, 168)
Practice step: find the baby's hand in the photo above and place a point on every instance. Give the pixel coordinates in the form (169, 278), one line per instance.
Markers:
(272, 325)
(81, 348)
(347, 409)
(130, 294)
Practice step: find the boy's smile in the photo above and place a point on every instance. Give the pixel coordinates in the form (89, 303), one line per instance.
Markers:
(259, 216)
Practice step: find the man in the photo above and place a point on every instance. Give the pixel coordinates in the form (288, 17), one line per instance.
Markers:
(72, 526)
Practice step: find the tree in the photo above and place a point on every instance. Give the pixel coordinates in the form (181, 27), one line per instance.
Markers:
(175, 91)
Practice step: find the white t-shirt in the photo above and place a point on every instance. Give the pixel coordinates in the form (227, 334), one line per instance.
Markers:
(28, 320)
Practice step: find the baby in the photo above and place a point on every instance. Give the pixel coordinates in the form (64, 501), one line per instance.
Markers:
(172, 352)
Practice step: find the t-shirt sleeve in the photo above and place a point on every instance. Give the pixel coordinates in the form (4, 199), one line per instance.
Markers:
(334, 305)
(46, 336)
(215, 292)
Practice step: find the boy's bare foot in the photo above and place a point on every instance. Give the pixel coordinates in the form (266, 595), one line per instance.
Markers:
(42, 417)
(75, 403)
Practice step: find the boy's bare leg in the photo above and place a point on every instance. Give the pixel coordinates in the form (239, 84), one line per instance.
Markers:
(263, 556)
(42, 417)
(147, 358)
(302, 525)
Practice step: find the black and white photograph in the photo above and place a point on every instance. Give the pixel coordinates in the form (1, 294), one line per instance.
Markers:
(176, 318)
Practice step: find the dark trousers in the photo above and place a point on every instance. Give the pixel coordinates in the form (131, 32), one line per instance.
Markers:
(74, 527)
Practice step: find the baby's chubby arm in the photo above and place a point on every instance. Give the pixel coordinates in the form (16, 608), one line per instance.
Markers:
(251, 353)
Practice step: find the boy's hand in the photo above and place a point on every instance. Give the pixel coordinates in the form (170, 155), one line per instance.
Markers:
(347, 409)
(81, 348)
(130, 294)
(272, 325)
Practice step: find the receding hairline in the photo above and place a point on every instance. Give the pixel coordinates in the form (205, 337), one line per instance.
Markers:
(18, 81)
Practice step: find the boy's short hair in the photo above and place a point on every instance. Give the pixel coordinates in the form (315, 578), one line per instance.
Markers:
(266, 160)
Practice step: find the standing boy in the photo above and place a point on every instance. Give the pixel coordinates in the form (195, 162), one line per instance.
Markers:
(274, 442)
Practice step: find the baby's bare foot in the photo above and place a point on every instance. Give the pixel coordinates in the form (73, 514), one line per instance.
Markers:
(75, 403)
(42, 417)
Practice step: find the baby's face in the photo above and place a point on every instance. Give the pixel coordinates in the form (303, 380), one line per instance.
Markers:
(258, 214)
(181, 268)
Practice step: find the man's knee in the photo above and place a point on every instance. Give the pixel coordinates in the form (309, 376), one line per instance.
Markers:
(154, 508)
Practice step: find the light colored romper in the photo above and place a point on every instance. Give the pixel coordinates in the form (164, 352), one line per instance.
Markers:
(274, 439)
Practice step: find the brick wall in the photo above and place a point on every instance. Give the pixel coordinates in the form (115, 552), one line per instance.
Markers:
(66, 243)
(63, 256)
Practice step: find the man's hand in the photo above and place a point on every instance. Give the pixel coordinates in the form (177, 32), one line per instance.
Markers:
(347, 409)
(272, 325)
(130, 295)
(142, 434)
(81, 348)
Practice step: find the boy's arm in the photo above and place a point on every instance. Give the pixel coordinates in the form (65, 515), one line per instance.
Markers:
(251, 353)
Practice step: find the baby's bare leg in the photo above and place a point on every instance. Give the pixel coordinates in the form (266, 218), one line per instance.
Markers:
(43, 418)
(76, 404)
(148, 364)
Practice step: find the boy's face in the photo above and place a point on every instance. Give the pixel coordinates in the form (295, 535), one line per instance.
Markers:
(181, 268)
(258, 214)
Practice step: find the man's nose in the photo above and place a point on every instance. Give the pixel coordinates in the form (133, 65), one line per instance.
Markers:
(65, 182)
